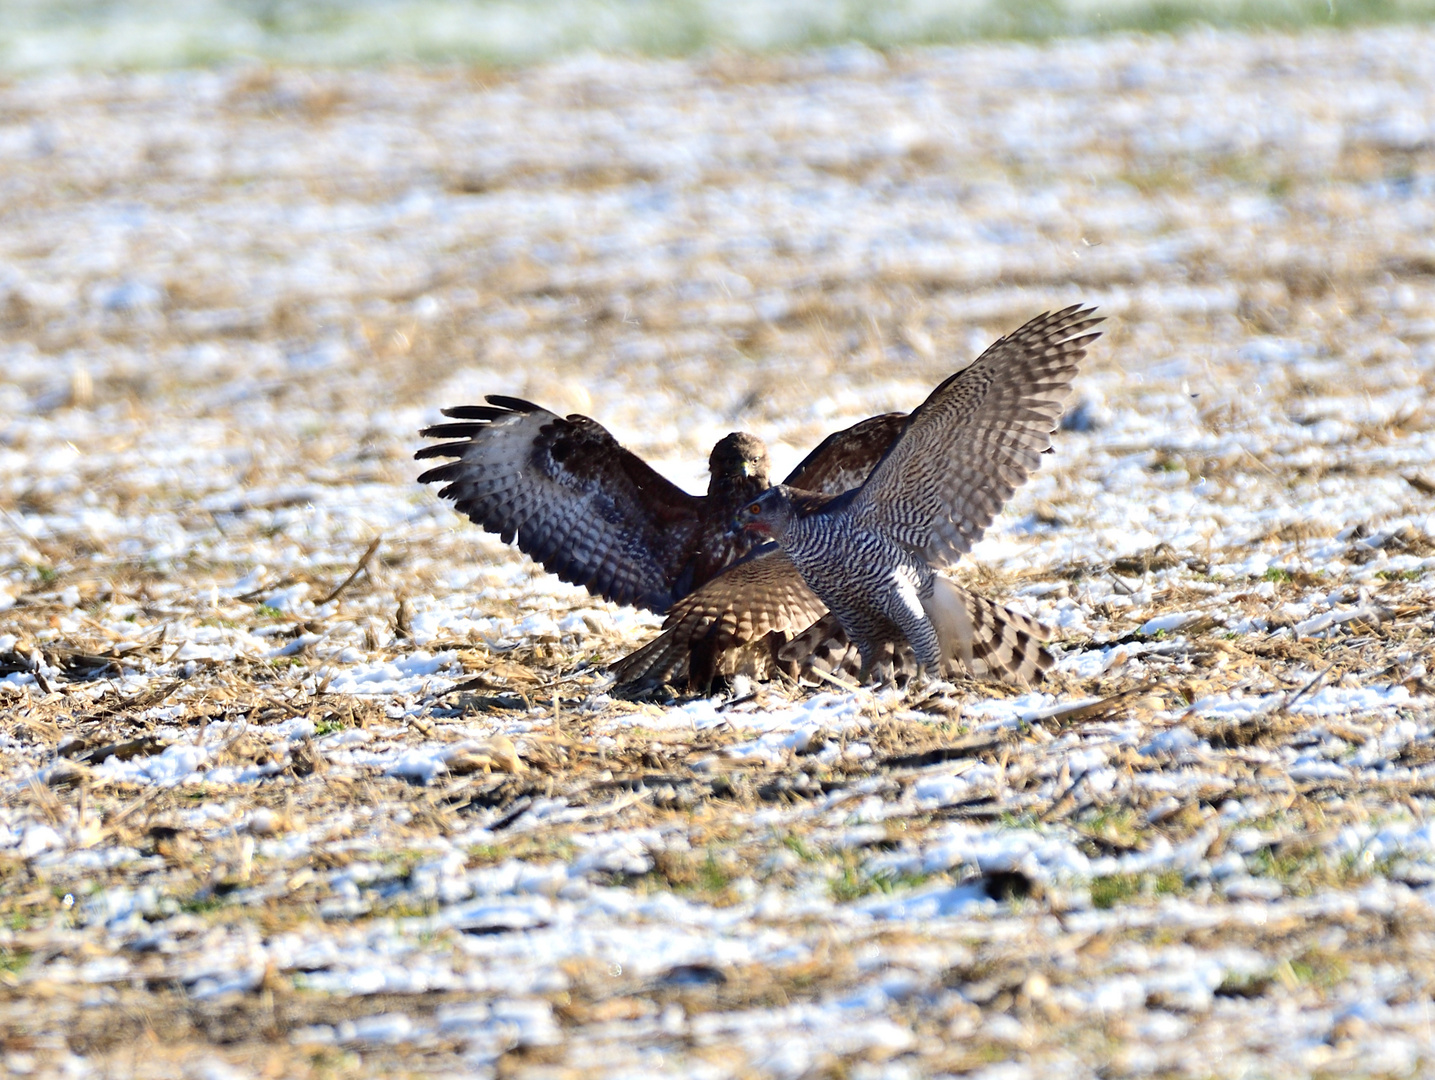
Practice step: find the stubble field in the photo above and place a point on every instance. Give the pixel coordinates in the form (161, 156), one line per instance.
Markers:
(303, 775)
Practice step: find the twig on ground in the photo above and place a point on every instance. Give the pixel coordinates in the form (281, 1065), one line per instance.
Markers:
(359, 568)
(1304, 690)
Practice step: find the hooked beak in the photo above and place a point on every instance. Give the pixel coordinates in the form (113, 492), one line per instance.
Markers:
(740, 525)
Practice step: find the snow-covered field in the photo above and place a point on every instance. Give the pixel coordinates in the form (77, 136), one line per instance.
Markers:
(262, 817)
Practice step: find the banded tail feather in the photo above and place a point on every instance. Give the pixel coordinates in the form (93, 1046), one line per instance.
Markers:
(980, 638)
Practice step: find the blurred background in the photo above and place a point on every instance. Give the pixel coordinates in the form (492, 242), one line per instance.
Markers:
(37, 35)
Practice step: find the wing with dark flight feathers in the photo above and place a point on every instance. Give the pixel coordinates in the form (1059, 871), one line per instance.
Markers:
(760, 595)
(570, 496)
(976, 438)
(843, 459)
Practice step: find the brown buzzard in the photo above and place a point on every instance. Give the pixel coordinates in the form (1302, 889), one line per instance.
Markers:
(598, 516)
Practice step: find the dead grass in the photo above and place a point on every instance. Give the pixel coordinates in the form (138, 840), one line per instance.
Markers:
(424, 310)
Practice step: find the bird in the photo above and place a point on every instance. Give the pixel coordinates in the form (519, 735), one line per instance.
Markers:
(864, 570)
(596, 515)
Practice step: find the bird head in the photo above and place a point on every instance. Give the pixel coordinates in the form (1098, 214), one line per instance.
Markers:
(739, 461)
(767, 515)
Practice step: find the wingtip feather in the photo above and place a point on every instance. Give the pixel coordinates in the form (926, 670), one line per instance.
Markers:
(473, 412)
(512, 404)
(440, 474)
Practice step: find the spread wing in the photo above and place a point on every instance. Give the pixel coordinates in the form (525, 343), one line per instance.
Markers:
(843, 459)
(976, 438)
(760, 595)
(570, 496)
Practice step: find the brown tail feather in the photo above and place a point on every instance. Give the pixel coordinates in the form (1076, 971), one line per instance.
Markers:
(1005, 645)
(662, 660)
(980, 637)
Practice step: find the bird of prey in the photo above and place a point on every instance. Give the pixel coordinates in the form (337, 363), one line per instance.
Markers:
(861, 570)
(598, 516)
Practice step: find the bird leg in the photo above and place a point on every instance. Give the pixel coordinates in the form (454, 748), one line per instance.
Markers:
(872, 652)
(869, 659)
(878, 668)
(908, 613)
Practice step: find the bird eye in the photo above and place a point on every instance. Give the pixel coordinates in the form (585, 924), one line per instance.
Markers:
(755, 508)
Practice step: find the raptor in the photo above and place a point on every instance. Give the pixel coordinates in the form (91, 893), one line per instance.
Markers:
(594, 513)
(871, 560)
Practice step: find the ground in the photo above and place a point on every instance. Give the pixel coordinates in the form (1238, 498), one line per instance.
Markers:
(304, 775)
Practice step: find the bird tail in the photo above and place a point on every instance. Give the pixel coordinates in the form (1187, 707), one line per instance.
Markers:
(662, 660)
(671, 659)
(825, 649)
(989, 640)
(986, 639)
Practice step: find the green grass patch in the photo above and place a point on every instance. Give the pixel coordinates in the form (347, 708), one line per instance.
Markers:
(850, 884)
(1025, 820)
(687, 873)
(713, 876)
(1113, 889)
(1320, 968)
(795, 844)
(524, 848)
(854, 881)
(13, 961)
(1119, 825)
(1296, 868)
(1247, 984)
(1400, 575)
(202, 905)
